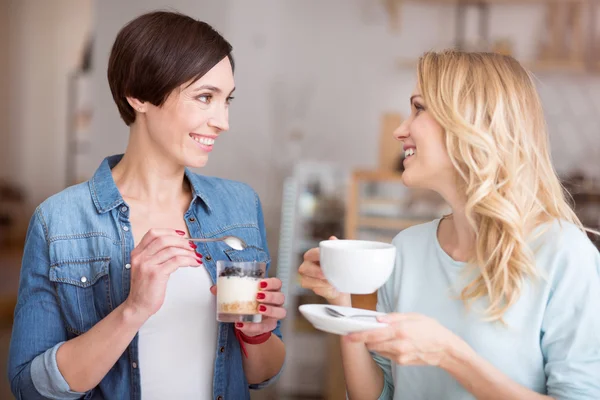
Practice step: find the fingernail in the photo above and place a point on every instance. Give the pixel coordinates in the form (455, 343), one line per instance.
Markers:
(382, 319)
(198, 255)
(239, 325)
(263, 285)
(260, 296)
(262, 308)
(193, 246)
(180, 233)
(199, 260)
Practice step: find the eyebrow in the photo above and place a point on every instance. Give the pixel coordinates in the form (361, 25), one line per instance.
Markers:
(414, 97)
(211, 88)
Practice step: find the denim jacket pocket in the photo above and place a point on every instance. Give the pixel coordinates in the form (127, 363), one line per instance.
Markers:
(250, 253)
(83, 291)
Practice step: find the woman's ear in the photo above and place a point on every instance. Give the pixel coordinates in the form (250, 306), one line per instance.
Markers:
(139, 106)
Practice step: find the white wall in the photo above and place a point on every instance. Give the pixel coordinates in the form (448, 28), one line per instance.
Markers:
(313, 78)
(46, 38)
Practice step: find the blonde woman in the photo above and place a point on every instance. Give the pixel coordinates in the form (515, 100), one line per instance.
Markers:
(501, 299)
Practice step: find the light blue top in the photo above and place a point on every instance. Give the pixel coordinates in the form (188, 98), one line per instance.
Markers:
(551, 343)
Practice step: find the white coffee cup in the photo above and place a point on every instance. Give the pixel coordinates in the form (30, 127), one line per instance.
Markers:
(357, 266)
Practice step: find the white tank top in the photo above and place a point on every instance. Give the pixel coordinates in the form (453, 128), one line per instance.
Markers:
(177, 345)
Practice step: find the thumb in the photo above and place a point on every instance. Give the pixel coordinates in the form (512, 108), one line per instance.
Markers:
(333, 238)
(213, 289)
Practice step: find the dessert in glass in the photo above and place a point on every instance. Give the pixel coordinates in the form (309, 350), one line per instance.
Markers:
(237, 286)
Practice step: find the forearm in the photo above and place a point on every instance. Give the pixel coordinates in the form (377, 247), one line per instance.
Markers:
(264, 360)
(483, 380)
(364, 378)
(86, 359)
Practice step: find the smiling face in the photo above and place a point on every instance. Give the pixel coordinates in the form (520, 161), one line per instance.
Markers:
(426, 164)
(185, 127)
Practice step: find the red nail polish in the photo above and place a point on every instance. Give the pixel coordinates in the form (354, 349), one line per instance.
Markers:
(260, 296)
(239, 325)
(263, 285)
(199, 260)
(262, 308)
(198, 255)
(193, 246)
(180, 233)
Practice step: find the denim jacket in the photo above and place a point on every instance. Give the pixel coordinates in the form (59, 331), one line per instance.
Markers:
(76, 270)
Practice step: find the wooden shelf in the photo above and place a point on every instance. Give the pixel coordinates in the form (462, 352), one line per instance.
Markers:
(377, 176)
(380, 201)
(571, 67)
(580, 38)
(389, 223)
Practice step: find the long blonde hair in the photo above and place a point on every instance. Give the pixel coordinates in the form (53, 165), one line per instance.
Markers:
(496, 138)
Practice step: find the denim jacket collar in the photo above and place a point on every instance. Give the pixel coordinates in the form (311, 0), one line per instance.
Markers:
(106, 195)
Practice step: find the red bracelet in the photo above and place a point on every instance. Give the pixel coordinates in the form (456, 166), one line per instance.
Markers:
(243, 338)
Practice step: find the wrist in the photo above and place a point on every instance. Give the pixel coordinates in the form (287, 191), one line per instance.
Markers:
(459, 357)
(132, 314)
(254, 340)
(343, 300)
(244, 340)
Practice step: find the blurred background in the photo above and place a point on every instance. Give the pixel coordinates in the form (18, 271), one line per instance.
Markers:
(321, 84)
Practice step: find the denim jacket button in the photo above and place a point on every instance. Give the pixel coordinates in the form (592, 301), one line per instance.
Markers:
(123, 209)
(127, 266)
(222, 349)
(134, 365)
(208, 257)
(219, 397)
(192, 219)
(126, 228)
(83, 279)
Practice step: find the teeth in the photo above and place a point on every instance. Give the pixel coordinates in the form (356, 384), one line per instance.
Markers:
(204, 141)
(409, 152)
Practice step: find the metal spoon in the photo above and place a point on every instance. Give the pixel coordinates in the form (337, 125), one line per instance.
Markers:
(232, 241)
(335, 313)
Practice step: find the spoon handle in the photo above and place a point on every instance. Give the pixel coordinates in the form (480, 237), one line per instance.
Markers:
(204, 239)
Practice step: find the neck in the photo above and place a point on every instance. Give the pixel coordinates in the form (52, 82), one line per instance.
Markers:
(457, 237)
(146, 173)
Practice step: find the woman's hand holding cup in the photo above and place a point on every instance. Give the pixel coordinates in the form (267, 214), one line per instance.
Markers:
(312, 277)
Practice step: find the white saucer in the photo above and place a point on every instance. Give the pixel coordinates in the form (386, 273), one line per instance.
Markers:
(316, 315)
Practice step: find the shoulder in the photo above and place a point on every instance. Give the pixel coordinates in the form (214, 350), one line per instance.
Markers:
(66, 202)
(563, 251)
(416, 234)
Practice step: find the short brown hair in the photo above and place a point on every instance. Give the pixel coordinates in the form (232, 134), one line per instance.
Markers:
(156, 53)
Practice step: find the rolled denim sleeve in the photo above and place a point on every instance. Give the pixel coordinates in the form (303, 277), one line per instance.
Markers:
(277, 330)
(38, 329)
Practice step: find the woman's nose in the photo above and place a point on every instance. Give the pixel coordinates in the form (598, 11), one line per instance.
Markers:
(401, 132)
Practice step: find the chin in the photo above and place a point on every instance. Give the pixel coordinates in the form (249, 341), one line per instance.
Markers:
(195, 161)
(408, 179)
(415, 181)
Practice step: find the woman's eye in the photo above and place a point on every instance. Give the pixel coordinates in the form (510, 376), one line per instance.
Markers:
(205, 98)
(418, 108)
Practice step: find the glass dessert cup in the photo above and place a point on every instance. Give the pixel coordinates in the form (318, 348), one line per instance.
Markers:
(237, 286)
